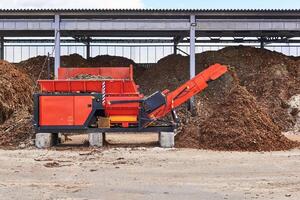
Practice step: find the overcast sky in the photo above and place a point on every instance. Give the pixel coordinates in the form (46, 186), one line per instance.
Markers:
(198, 4)
(71, 4)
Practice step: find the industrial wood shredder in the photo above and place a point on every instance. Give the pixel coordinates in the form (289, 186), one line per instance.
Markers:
(111, 103)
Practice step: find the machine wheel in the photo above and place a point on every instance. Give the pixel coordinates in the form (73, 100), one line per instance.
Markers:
(166, 139)
(45, 140)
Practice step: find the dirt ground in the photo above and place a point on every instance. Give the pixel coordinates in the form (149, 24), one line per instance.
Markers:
(147, 173)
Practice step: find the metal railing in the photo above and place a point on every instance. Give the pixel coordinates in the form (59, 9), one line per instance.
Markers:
(138, 53)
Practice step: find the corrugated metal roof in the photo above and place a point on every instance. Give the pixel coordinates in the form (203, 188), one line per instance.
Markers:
(150, 10)
(154, 13)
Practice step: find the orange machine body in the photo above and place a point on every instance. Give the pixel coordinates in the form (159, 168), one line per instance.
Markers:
(65, 102)
(189, 89)
(66, 110)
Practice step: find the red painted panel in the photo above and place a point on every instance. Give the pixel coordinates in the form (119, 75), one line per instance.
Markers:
(56, 110)
(64, 110)
(112, 86)
(82, 108)
(123, 108)
(113, 72)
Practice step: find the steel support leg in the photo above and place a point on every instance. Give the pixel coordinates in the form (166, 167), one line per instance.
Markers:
(96, 139)
(57, 45)
(192, 54)
(166, 139)
(45, 140)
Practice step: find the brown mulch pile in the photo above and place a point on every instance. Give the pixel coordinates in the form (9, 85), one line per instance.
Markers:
(37, 66)
(110, 61)
(73, 60)
(15, 104)
(238, 124)
(34, 66)
(269, 78)
(15, 90)
(17, 129)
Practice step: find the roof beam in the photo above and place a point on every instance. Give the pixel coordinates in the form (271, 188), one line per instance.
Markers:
(150, 25)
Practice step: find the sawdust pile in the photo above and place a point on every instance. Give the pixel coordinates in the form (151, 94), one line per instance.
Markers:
(269, 80)
(15, 104)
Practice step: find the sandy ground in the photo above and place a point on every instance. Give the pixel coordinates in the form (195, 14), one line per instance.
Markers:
(147, 173)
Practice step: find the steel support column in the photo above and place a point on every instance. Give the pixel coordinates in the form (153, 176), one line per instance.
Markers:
(176, 41)
(262, 44)
(174, 48)
(88, 48)
(192, 54)
(2, 48)
(57, 45)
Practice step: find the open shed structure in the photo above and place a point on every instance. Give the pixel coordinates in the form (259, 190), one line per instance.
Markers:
(281, 26)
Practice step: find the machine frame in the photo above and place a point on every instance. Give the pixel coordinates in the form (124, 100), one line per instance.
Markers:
(85, 127)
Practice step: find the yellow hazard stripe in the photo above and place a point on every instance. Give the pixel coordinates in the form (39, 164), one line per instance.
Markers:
(127, 118)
